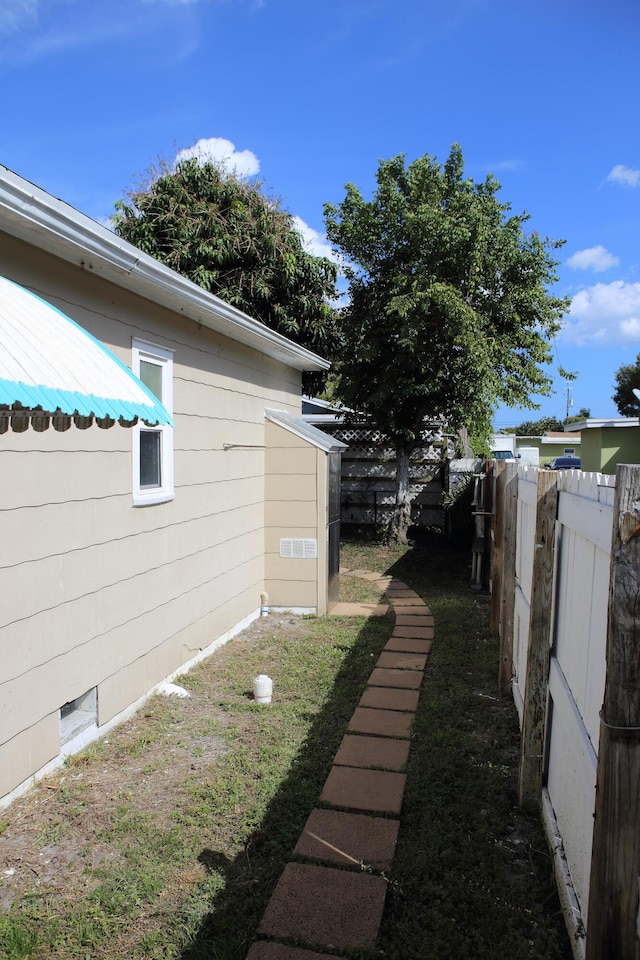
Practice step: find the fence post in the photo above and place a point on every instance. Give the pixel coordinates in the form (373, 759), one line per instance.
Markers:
(537, 679)
(497, 536)
(614, 895)
(508, 591)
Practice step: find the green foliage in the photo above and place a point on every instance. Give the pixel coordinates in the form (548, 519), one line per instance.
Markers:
(535, 428)
(627, 379)
(229, 237)
(449, 309)
(583, 414)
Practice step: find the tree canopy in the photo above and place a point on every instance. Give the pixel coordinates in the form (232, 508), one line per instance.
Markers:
(536, 428)
(627, 379)
(229, 237)
(449, 310)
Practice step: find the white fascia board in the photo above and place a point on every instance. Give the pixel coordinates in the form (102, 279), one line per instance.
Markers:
(32, 215)
(593, 422)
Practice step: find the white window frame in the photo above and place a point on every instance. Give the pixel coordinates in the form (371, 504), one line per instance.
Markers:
(145, 496)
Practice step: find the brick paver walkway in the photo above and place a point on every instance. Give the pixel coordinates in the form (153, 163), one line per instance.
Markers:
(338, 905)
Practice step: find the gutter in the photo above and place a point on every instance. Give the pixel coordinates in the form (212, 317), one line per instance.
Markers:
(30, 214)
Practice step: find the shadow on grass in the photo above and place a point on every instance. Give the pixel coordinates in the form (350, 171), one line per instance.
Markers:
(471, 877)
(228, 931)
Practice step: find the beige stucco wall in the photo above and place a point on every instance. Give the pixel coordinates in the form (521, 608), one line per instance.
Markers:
(295, 506)
(97, 592)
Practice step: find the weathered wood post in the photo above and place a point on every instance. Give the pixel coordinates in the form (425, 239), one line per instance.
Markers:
(614, 895)
(537, 678)
(497, 535)
(508, 591)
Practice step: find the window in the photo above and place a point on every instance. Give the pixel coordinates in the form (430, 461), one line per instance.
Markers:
(569, 451)
(153, 446)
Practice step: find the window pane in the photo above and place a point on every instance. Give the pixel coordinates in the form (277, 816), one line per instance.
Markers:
(151, 376)
(150, 441)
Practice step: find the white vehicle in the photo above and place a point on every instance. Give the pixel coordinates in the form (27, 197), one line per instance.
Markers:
(503, 446)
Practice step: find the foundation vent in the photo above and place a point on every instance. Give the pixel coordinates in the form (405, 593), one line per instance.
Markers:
(298, 549)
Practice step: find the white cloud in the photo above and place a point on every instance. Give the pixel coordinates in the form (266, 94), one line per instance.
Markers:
(604, 313)
(243, 163)
(627, 176)
(314, 242)
(597, 259)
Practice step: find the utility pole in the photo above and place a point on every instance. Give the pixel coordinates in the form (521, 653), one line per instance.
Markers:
(569, 401)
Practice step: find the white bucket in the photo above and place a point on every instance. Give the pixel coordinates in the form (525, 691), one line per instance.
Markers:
(262, 689)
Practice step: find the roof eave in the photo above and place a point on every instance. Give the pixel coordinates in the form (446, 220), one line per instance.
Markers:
(32, 215)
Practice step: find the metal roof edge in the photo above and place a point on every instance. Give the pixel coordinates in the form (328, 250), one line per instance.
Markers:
(30, 214)
(300, 428)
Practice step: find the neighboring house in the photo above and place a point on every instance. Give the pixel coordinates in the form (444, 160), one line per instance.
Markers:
(608, 442)
(553, 444)
(127, 555)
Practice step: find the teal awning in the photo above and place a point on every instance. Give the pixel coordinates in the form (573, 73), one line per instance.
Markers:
(50, 367)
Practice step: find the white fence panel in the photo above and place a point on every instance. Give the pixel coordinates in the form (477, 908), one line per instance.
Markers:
(578, 658)
(578, 663)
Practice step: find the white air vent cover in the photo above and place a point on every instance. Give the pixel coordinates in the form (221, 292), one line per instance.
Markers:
(298, 549)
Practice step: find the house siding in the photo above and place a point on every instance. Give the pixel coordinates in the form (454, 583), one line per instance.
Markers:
(97, 592)
(293, 470)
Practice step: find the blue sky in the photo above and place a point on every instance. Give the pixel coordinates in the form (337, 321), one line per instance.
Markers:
(543, 93)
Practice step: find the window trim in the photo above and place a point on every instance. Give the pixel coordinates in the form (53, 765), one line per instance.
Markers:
(163, 357)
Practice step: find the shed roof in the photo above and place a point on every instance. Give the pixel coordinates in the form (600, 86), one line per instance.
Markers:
(305, 431)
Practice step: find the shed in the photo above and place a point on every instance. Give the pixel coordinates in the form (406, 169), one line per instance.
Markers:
(302, 513)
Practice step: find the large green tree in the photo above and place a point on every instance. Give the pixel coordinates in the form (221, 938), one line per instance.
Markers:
(627, 380)
(449, 309)
(227, 235)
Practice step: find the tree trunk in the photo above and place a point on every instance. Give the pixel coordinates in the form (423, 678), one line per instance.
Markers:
(399, 523)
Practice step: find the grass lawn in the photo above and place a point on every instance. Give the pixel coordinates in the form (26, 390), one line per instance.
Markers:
(165, 840)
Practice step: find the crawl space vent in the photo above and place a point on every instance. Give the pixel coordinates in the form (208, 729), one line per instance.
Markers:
(298, 549)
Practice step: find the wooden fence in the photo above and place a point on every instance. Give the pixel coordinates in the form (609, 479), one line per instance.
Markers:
(566, 606)
(369, 469)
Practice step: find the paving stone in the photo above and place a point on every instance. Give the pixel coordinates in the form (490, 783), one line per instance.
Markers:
(349, 838)
(406, 604)
(381, 723)
(407, 679)
(359, 609)
(397, 660)
(270, 950)
(415, 633)
(414, 620)
(393, 593)
(364, 751)
(377, 791)
(407, 644)
(325, 907)
(390, 698)
(400, 585)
